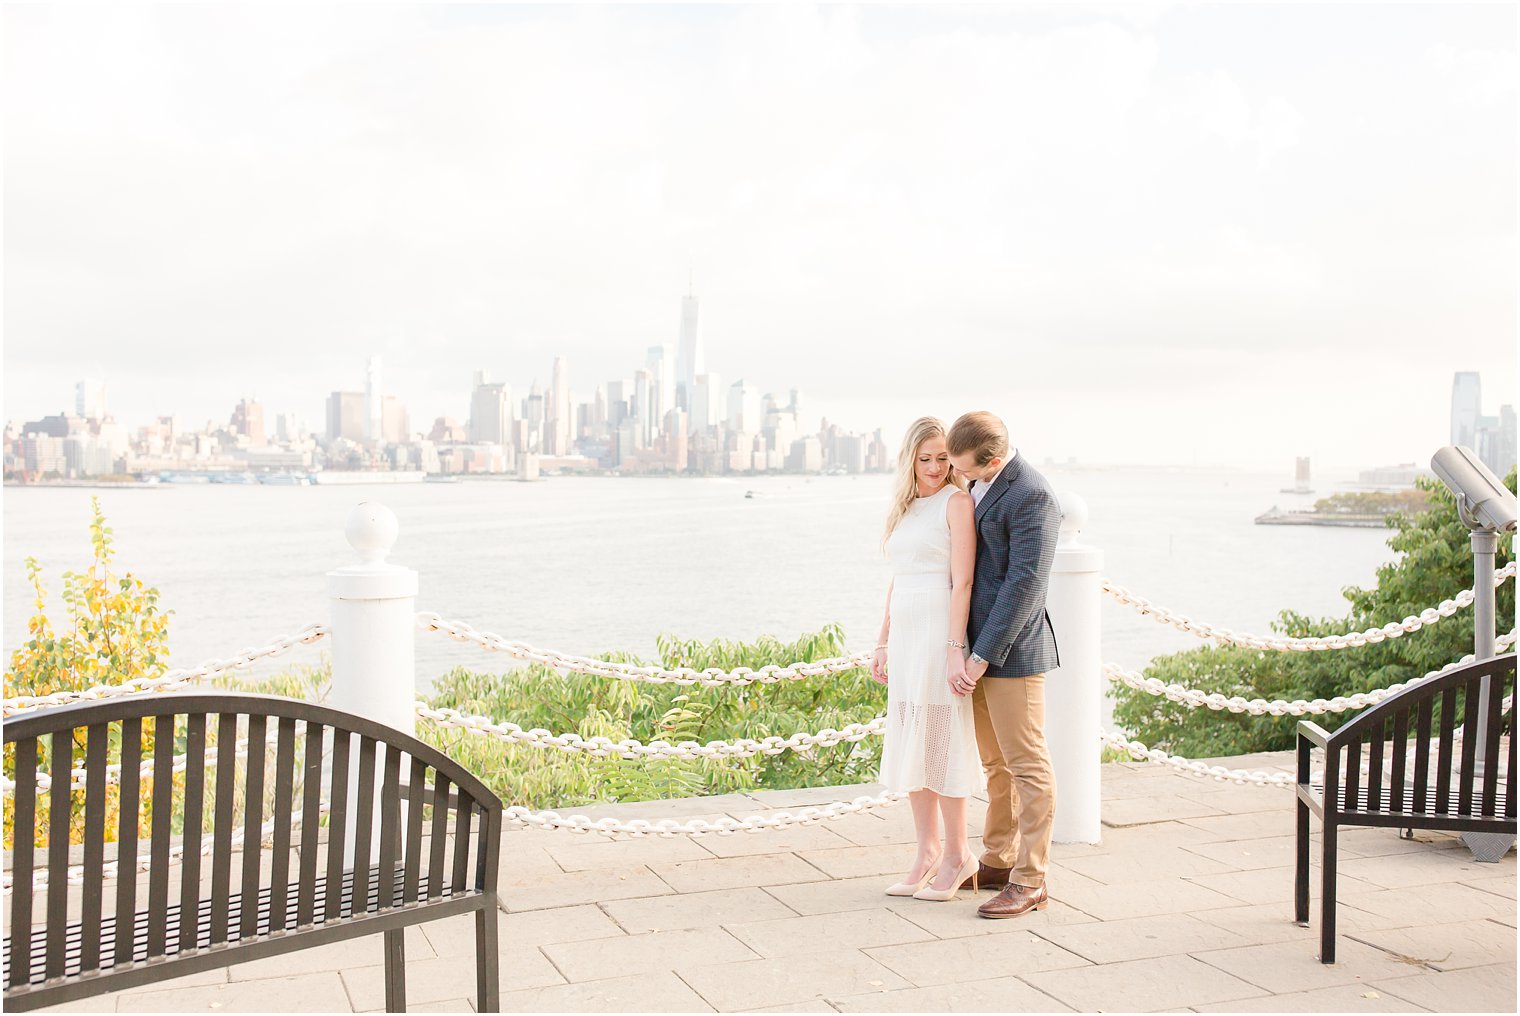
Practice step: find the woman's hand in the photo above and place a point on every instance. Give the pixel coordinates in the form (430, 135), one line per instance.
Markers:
(955, 672)
(879, 666)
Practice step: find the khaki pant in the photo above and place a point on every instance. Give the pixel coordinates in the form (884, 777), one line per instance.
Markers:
(1021, 784)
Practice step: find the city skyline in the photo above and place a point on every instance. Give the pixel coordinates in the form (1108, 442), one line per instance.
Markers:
(1118, 226)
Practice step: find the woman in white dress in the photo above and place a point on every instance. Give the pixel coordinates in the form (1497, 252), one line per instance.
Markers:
(930, 750)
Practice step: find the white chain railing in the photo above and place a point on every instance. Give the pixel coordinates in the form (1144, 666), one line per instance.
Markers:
(518, 815)
(712, 677)
(605, 747)
(78, 778)
(172, 679)
(1283, 643)
(1141, 753)
(1195, 699)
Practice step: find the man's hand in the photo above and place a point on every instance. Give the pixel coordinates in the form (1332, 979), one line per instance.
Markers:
(964, 682)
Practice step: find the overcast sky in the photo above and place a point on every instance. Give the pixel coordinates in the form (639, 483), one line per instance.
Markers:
(1212, 234)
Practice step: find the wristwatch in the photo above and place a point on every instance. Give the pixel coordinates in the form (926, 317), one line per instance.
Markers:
(973, 658)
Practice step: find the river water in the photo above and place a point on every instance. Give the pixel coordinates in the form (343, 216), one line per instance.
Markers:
(590, 564)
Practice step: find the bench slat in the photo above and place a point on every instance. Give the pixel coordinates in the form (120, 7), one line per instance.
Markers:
(221, 824)
(311, 821)
(253, 813)
(364, 821)
(25, 804)
(440, 834)
(390, 832)
(463, 812)
(337, 829)
(1492, 726)
(59, 806)
(1400, 759)
(1448, 748)
(163, 816)
(1422, 755)
(1470, 737)
(97, 741)
(128, 832)
(194, 822)
(1353, 772)
(415, 791)
(284, 793)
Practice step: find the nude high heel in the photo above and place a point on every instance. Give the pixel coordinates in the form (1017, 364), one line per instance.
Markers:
(971, 869)
(912, 888)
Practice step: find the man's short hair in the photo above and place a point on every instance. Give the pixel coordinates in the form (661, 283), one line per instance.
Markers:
(980, 434)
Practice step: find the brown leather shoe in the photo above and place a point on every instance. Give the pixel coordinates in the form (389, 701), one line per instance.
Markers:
(1015, 900)
(988, 877)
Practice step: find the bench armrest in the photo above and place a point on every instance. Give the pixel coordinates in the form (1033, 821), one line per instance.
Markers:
(1308, 730)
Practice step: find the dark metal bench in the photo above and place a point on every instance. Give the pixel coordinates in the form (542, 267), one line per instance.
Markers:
(1432, 782)
(372, 874)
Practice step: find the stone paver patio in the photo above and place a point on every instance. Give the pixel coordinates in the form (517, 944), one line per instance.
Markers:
(1185, 905)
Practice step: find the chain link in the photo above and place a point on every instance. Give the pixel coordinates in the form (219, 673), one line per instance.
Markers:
(712, 677)
(1195, 699)
(521, 816)
(1140, 753)
(605, 747)
(170, 679)
(1283, 643)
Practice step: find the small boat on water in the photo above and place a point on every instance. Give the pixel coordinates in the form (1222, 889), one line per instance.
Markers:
(285, 479)
(440, 478)
(238, 478)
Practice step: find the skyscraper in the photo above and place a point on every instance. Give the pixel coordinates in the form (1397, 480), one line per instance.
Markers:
(374, 410)
(90, 399)
(248, 420)
(663, 395)
(490, 413)
(1466, 407)
(707, 403)
(561, 428)
(688, 354)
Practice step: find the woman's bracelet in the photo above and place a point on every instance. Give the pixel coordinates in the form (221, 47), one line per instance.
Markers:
(952, 642)
(882, 646)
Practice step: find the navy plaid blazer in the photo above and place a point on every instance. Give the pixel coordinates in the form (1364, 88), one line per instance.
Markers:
(1017, 523)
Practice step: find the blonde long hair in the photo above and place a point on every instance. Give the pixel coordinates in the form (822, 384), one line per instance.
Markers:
(905, 490)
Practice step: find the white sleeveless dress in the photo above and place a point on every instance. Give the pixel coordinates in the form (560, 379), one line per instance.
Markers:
(931, 733)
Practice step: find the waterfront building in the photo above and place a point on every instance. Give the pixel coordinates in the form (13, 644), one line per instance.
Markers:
(490, 412)
(561, 419)
(374, 411)
(707, 402)
(644, 406)
(743, 407)
(346, 418)
(288, 428)
(90, 399)
(663, 391)
(248, 420)
(689, 353)
(395, 428)
(1466, 407)
(619, 395)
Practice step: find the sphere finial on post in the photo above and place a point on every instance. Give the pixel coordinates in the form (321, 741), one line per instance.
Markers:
(372, 530)
(1073, 516)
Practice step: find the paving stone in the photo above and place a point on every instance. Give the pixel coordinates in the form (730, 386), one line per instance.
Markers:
(1272, 885)
(568, 889)
(654, 992)
(1249, 825)
(581, 855)
(834, 896)
(634, 954)
(1476, 989)
(203, 978)
(1273, 922)
(1342, 998)
(792, 840)
(965, 959)
(696, 910)
(1284, 967)
(1446, 946)
(1399, 871)
(813, 1006)
(1450, 905)
(1134, 866)
(754, 983)
(958, 918)
(998, 994)
(438, 979)
(448, 1005)
(1144, 810)
(1158, 983)
(793, 936)
(737, 872)
(532, 928)
(1500, 886)
(1230, 800)
(355, 952)
(1380, 842)
(1141, 937)
(856, 862)
(303, 993)
(1139, 899)
(1259, 852)
(870, 830)
(812, 797)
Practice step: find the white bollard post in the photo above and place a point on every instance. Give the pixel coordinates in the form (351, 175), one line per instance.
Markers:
(1074, 690)
(374, 625)
(374, 638)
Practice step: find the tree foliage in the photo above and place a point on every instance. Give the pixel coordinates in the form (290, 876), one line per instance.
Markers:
(113, 631)
(1435, 562)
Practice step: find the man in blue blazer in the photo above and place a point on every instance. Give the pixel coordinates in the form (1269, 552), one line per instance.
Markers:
(1012, 646)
